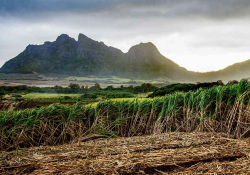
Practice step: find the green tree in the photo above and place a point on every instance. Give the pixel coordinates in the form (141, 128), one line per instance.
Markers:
(109, 88)
(74, 88)
(96, 87)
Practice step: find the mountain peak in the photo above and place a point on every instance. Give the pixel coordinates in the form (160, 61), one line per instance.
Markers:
(144, 51)
(144, 47)
(82, 37)
(148, 44)
(63, 38)
(85, 42)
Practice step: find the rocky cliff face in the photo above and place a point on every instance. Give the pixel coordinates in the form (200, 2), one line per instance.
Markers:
(66, 57)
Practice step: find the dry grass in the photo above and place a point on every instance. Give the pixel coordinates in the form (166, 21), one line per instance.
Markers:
(174, 153)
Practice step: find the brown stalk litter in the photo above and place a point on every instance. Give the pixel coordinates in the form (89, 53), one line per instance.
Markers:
(174, 153)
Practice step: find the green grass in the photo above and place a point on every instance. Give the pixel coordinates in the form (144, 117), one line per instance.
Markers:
(33, 96)
(217, 109)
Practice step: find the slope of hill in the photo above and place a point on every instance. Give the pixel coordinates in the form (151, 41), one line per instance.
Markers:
(234, 72)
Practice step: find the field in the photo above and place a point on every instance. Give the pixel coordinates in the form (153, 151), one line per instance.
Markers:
(33, 96)
(218, 109)
(32, 80)
(47, 83)
(175, 153)
(32, 100)
(116, 80)
(200, 131)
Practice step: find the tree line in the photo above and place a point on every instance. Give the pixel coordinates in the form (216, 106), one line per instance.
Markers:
(76, 88)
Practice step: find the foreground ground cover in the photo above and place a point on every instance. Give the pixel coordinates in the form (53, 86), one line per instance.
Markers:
(174, 153)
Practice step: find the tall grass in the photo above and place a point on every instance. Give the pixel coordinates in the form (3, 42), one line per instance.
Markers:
(218, 109)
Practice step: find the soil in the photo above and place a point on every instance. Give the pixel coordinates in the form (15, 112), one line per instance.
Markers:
(174, 153)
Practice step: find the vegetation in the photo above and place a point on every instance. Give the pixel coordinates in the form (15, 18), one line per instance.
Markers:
(217, 109)
(31, 96)
(107, 95)
(75, 89)
(39, 97)
(180, 87)
(118, 80)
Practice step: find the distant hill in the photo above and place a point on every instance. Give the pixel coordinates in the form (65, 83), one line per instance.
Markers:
(68, 57)
(234, 72)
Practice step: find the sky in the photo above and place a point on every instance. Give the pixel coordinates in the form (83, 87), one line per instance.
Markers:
(200, 35)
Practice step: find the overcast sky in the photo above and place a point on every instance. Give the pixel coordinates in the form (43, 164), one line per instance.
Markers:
(200, 35)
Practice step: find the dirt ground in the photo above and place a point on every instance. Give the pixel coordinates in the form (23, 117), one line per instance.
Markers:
(175, 153)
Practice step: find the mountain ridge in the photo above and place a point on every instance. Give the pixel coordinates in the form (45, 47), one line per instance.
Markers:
(83, 57)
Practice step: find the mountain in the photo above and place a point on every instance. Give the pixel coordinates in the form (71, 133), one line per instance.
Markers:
(68, 57)
(65, 56)
(84, 57)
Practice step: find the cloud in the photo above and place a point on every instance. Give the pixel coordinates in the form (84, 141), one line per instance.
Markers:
(222, 9)
(193, 33)
(27, 6)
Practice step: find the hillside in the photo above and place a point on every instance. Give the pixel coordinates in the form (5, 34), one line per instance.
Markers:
(234, 72)
(68, 57)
